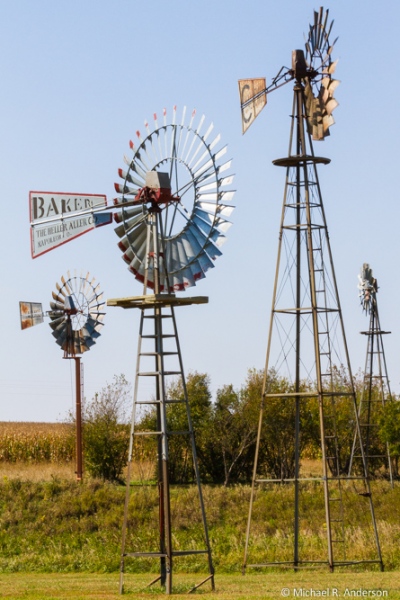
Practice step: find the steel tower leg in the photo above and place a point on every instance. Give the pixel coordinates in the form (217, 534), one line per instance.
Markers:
(306, 340)
(158, 328)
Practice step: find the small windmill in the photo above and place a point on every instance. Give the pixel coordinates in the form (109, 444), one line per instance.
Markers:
(306, 344)
(76, 317)
(376, 386)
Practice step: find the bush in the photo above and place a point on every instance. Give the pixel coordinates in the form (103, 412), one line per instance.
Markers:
(106, 432)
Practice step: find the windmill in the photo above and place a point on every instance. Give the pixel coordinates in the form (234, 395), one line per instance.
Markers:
(76, 317)
(376, 386)
(306, 343)
(172, 220)
(172, 217)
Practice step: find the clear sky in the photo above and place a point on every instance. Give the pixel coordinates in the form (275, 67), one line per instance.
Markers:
(79, 78)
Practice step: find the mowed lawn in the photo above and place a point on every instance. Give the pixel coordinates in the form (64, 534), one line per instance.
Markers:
(304, 584)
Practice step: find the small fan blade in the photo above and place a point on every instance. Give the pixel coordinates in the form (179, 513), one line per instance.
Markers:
(126, 190)
(129, 177)
(332, 67)
(59, 288)
(58, 323)
(222, 209)
(136, 241)
(225, 166)
(128, 227)
(128, 213)
(331, 105)
(205, 262)
(57, 307)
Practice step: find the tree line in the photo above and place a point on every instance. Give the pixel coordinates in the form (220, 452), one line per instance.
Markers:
(226, 429)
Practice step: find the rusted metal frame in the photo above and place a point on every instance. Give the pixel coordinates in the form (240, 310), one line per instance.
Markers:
(330, 478)
(264, 385)
(300, 151)
(358, 431)
(305, 564)
(130, 452)
(301, 145)
(286, 76)
(78, 398)
(163, 469)
(307, 394)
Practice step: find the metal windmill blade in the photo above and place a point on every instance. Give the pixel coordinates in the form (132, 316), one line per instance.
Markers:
(183, 168)
(77, 314)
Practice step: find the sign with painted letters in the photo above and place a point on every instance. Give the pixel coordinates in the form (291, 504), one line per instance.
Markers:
(57, 218)
(252, 99)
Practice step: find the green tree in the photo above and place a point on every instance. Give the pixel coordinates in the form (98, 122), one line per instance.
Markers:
(232, 436)
(180, 457)
(105, 430)
(278, 441)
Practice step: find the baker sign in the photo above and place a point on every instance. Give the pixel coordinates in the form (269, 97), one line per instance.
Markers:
(57, 218)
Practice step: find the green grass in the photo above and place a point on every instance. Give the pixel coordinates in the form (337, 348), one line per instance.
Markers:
(60, 539)
(228, 587)
(61, 526)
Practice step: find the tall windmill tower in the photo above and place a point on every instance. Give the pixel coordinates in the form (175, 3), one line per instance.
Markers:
(171, 224)
(376, 386)
(306, 344)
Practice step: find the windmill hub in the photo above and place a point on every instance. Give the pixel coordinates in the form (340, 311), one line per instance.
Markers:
(299, 65)
(156, 191)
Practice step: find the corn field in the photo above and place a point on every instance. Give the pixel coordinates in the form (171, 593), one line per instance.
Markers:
(36, 442)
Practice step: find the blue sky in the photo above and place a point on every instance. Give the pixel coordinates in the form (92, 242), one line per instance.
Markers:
(79, 78)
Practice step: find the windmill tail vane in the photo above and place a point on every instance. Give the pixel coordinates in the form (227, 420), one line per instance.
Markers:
(313, 69)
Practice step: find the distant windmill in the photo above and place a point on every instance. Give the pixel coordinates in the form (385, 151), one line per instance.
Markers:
(76, 317)
(306, 340)
(376, 386)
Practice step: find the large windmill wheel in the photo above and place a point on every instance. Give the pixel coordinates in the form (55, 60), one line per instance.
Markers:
(76, 313)
(193, 221)
(319, 84)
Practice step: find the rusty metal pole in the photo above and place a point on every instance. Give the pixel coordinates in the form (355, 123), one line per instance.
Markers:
(79, 473)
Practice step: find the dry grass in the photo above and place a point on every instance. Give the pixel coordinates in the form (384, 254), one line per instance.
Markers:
(46, 471)
(37, 471)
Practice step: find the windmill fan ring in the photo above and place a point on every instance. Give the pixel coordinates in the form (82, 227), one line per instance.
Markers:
(176, 171)
(76, 314)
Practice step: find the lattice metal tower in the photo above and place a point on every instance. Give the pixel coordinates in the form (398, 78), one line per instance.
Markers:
(306, 344)
(376, 385)
(171, 225)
